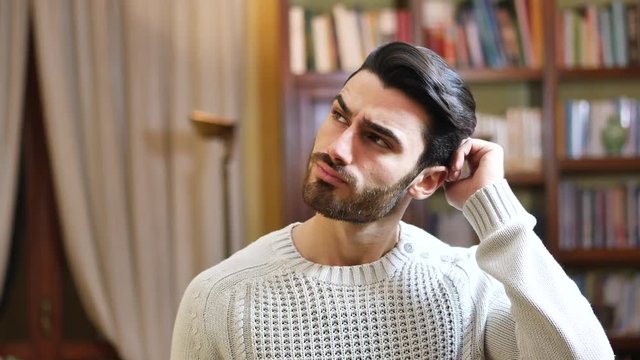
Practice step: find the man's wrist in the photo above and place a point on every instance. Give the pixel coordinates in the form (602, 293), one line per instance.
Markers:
(491, 207)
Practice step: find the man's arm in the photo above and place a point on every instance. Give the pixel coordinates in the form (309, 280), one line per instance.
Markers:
(552, 318)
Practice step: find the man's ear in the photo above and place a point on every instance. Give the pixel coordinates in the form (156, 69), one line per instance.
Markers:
(427, 182)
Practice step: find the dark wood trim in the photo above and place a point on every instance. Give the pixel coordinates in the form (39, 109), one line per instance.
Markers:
(42, 233)
(525, 179)
(626, 345)
(21, 350)
(501, 75)
(337, 79)
(628, 73)
(549, 94)
(599, 165)
(600, 257)
(87, 351)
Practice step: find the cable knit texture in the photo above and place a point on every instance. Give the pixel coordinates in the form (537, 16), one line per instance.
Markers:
(505, 299)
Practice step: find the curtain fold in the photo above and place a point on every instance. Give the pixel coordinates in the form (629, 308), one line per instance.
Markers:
(13, 47)
(139, 191)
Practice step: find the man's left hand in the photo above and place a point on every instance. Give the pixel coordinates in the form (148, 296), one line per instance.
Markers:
(486, 164)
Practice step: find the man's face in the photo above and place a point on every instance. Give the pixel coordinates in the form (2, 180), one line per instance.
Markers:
(365, 153)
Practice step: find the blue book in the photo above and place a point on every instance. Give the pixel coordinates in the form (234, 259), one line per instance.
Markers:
(620, 43)
(604, 22)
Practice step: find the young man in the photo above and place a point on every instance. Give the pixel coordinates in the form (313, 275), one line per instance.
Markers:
(354, 282)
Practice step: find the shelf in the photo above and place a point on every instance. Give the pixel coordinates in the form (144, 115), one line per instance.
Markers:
(630, 73)
(599, 165)
(337, 79)
(600, 257)
(500, 75)
(525, 179)
(625, 344)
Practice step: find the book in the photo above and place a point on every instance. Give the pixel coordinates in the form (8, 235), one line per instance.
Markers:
(493, 55)
(438, 22)
(620, 42)
(473, 40)
(606, 36)
(569, 38)
(633, 32)
(323, 46)
(297, 41)
(505, 17)
(537, 31)
(522, 16)
(591, 38)
(348, 38)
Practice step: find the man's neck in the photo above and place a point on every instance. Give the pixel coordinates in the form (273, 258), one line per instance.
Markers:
(331, 242)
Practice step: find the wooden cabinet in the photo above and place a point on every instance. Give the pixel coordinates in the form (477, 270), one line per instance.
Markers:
(306, 99)
(41, 316)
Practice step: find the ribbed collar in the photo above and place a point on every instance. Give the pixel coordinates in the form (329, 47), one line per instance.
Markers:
(381, 269)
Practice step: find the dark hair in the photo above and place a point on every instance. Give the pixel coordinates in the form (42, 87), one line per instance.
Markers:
(425, 77)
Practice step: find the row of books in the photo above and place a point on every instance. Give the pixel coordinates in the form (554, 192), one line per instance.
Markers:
(603, 127)
(519, 132)
(599, 36)
(614, 298)
(341, 38)
(599, 215)
(485, 33)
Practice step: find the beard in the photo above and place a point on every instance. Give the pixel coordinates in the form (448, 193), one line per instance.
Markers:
(364, 206)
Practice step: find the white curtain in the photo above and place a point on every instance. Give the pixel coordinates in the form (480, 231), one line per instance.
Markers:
(139, 191)
(13, 41)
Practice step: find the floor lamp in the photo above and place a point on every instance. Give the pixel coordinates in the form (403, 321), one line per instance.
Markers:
(211, 126)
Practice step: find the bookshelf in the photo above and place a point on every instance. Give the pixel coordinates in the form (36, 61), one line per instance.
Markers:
(545, 85)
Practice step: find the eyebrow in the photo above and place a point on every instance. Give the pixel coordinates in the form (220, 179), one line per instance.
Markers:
(368, 124)
(342, 104)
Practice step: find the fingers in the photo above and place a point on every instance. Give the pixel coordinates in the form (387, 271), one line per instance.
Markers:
(470, 150)
(457, 161)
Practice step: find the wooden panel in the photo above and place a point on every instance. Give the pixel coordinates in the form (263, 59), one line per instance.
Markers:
(600, 257)
(88, 351)
(23, 351)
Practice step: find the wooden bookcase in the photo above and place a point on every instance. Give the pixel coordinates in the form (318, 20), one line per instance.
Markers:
(305, 95)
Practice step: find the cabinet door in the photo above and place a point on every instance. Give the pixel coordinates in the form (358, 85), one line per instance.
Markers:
(41, 316)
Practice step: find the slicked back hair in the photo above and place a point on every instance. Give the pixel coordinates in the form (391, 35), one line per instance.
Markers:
(425, 77)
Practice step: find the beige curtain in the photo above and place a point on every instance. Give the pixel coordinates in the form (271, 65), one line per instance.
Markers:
(139, 191)
(13, 41)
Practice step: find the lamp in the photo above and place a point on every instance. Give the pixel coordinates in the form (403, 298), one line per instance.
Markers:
(210, 125)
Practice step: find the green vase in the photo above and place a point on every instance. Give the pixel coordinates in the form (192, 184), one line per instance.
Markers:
(614, 136)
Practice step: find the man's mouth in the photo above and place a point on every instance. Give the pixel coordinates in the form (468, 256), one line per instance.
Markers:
(327, 174)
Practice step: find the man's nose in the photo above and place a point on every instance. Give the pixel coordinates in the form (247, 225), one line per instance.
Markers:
(341, 149)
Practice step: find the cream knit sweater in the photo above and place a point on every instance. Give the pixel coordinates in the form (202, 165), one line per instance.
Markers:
(504, 299)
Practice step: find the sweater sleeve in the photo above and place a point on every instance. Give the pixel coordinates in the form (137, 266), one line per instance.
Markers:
(191, 333)
(552, 319)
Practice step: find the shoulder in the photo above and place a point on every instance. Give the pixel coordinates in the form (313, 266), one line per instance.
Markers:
(202, 318)
(254, 260)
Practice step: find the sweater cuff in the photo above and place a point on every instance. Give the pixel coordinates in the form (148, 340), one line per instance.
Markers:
(492, 207)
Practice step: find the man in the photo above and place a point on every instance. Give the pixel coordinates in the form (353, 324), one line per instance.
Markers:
(354, 282)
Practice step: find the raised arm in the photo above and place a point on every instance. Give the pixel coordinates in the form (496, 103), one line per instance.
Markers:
(552, 318)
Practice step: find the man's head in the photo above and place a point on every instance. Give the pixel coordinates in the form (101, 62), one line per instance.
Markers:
(425, 77)
(389, 137)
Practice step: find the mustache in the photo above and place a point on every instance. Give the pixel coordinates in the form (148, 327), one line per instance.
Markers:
(325, 158)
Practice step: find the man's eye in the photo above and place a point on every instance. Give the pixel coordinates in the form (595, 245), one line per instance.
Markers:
(338, 117)
(378, 141)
